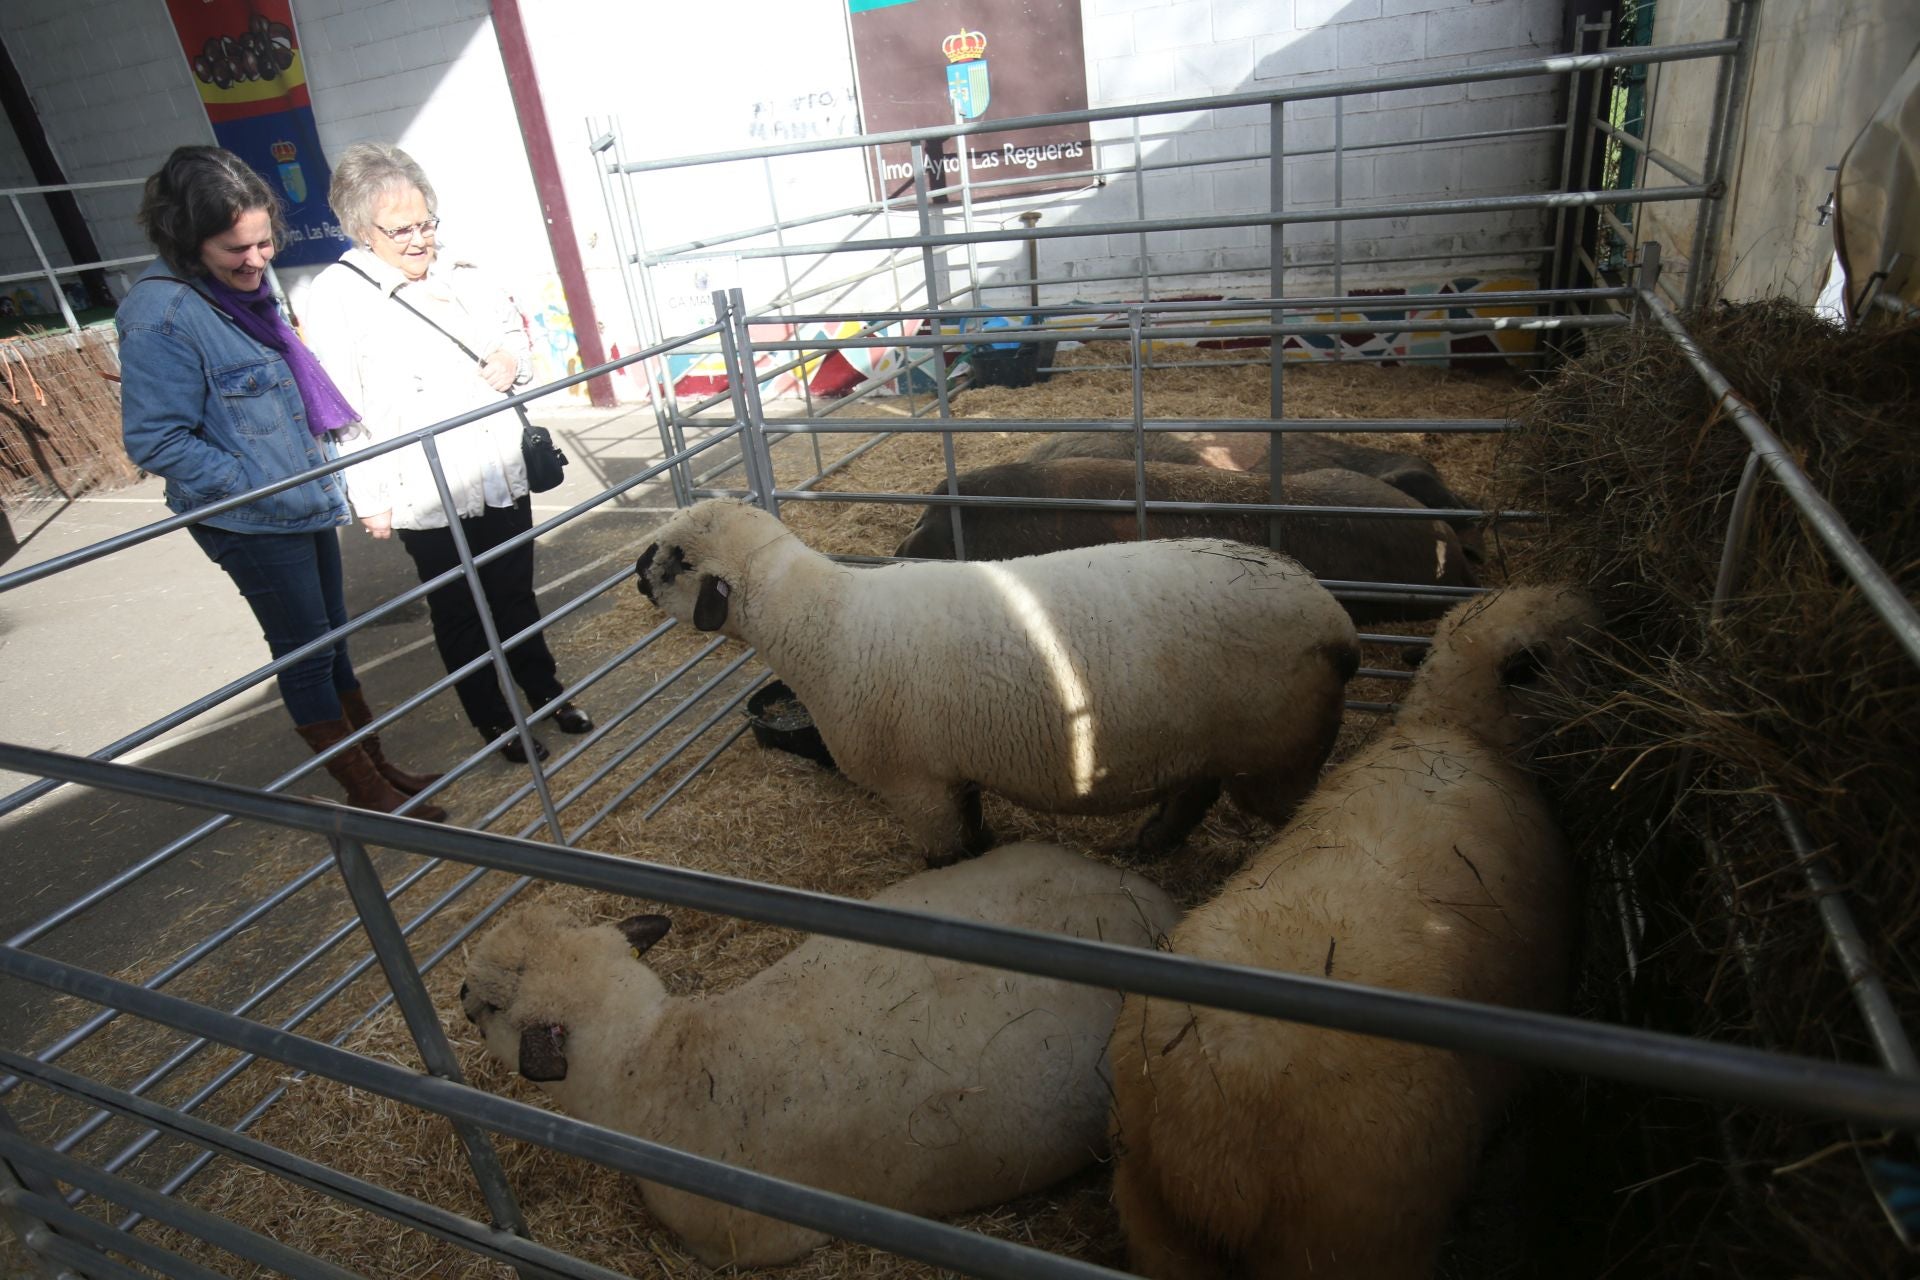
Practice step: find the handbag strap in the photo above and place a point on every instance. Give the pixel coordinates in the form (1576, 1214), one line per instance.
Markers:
(395, 295)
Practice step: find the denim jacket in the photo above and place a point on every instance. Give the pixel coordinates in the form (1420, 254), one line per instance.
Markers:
(217, 413)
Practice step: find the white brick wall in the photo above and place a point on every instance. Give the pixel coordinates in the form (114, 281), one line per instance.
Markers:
(427, 73)
(115, 95)
(1301, 43)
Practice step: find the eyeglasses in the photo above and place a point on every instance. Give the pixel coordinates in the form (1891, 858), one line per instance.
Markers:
(408, 232)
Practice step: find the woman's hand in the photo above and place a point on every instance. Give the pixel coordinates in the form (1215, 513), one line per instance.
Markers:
(380, 526)
(499, 369)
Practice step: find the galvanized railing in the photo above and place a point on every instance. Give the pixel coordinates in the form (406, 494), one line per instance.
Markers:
(48, 270)
(698, 694)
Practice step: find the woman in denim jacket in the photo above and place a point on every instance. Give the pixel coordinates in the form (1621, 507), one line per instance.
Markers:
(219, 396)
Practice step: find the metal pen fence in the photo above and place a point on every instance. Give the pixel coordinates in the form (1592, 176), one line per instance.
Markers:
(48, 1180)
(49, 271)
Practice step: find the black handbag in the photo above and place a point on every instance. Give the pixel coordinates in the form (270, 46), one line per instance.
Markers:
(546, 461)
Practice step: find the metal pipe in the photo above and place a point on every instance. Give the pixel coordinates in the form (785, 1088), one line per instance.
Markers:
(1484, 252)
(692, 736)
(744, 382)
(250, 1245)
(1276, 288)
(47, 1245)
(1739, 520)
(1164, 507)
(173, 1185)
(1488, 324)
(1549, 65)
(1863, 979)
(1785, 1082)
(1362, 357)
(73, 1138)
(18, 1180)
(1352, 213)
(1339, 199)
(1223, 306)
(234, 1069)
(502, 672)
(1719, 128)
(1113, 426)
(423, 1022)
(1138, 352)
(1657, 156)
(1301, 153)
(1880, 591)
(923, 212)
(694, 772)
(94, 551)
(1140, 216)
(76, 269)
(357, 1193)
(46, 267)
(835, 1215)
(78, 1226)
(685, 705)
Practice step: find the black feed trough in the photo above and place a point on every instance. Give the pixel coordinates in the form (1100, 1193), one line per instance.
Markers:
(780, 721)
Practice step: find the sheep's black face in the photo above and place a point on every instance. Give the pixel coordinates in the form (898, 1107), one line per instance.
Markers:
(640, 567)
(654, 570)
(473, 1006)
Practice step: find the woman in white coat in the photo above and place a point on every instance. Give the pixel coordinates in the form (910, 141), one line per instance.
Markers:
(388, 321)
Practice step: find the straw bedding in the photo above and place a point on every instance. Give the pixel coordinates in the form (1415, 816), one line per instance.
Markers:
(1796, 691)
(751, 813)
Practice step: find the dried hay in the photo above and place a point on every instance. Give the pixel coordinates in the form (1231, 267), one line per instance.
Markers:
(60, 417)
(1797, 692)
(752, 813)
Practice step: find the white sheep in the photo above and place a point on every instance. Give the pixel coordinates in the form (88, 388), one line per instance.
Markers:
(919, 1083)
(1087, 681)
(1252, 1147)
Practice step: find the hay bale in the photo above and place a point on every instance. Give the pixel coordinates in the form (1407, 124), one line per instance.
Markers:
(60, 417)
(1796, 691)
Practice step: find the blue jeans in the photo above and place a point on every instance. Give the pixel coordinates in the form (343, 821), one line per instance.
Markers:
(293, 583)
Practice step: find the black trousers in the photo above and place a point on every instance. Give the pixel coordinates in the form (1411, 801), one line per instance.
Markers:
(508, 584)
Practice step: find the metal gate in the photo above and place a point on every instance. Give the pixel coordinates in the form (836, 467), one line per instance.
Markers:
(56, 1184)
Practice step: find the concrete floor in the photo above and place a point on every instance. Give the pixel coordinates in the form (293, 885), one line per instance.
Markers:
(96, 652)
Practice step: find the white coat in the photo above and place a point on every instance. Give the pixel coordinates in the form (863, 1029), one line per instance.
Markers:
(402, 375)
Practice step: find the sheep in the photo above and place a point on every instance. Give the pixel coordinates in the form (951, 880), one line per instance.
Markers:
(1087, 681)
(1248, 451)
(1350, 548)
(1250, 1147)
(915, 1082)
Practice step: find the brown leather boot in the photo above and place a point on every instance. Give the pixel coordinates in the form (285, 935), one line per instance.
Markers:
(359, 715)
(355, 773)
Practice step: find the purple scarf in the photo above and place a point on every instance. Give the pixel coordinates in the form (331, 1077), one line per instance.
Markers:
(260, 317)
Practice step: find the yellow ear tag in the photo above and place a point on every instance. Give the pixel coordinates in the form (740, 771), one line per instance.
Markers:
(636, 952)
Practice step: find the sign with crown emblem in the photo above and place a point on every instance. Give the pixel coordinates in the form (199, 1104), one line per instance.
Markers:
(246, 62)
(967, 85)
(923, 63)
(287, 157)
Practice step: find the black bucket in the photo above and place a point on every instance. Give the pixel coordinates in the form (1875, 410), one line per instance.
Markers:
(780, 721)
(1010, 364)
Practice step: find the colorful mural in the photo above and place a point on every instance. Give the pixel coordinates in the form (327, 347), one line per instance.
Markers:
(830, 373)
(556, 351)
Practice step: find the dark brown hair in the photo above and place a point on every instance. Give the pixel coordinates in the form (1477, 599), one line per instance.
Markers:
(200, 192)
